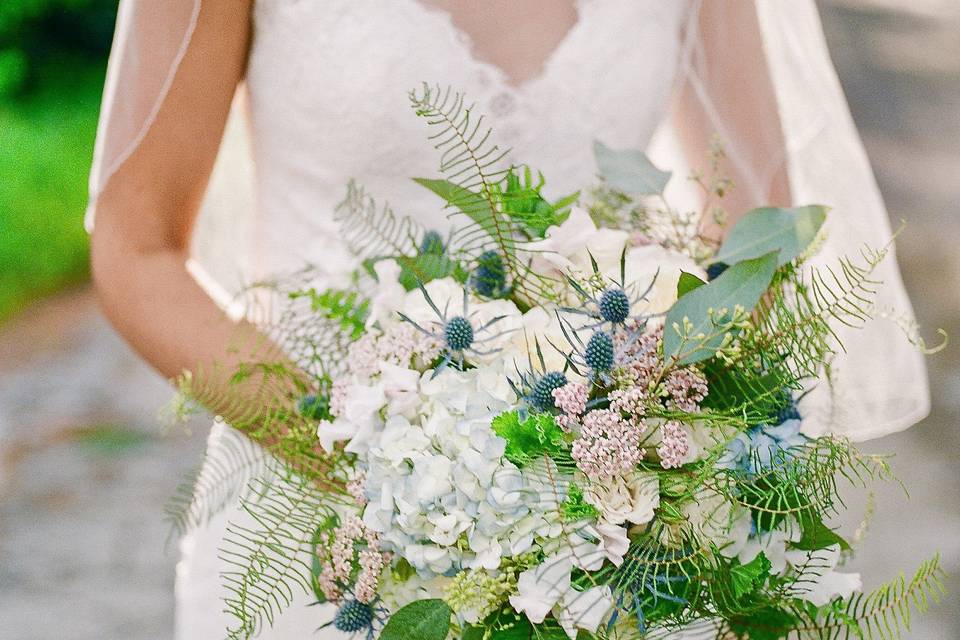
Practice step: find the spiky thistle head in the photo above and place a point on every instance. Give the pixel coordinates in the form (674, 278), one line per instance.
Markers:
(599, 352)
(541, 395)
(314, 407)
(614, 305)
(489, 279)
(353, 616)
(458, 334)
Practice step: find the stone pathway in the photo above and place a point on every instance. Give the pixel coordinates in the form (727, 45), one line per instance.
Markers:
(85, 470)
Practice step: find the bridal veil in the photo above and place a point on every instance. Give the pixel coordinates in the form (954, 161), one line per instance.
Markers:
(878, 384)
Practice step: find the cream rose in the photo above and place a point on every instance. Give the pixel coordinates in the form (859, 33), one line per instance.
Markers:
(633, 498)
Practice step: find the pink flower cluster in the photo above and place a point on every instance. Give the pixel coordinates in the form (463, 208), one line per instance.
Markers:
(639, 360)
(630, 401)
(355, 488)
(338, 397)
(571, 399)
(401, 345)
(607, 445)
(674, 445)
(340, 556)
(687, 388)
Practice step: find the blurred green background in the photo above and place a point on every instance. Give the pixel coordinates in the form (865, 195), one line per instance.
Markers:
(52, 60)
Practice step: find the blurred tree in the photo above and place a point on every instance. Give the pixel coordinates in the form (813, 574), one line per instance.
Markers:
(52, 59)
(33, 30)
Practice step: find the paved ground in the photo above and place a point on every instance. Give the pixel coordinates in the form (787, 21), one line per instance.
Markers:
(87, 470)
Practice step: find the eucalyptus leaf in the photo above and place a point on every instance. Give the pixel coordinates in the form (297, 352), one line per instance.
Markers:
(740, 285)
(419, 620)
(630, 170)
(470, 203)
(789, 231)
(687, 283)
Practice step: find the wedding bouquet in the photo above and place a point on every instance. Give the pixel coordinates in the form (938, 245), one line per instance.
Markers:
(558, 419)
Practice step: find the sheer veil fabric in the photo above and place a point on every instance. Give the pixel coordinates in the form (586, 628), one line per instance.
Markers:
(612, 78)
(879, 382)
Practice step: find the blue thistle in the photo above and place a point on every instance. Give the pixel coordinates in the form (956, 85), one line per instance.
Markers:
(432, 243)
(599, 351)
(715, 269)
(353, 616)
(489, 279)
(614, 305)
(314, 407)
(541, 396)
(458, 333)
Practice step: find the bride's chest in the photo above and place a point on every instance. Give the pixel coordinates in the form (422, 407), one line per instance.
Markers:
(333, 71)
(357, 54)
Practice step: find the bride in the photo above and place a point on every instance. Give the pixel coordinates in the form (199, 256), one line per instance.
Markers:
(323, 92)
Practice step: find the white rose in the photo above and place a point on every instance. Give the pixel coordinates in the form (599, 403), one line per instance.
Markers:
(400, 386)
(568, 246)
(661, 267)
(446, 293)
(630, 498)
(359, 421)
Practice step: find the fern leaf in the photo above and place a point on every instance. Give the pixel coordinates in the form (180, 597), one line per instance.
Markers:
(474, 166)
(371, 231)
(268, 556)
(884, 613)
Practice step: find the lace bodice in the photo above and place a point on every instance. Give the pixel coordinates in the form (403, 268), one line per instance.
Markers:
(328, 84)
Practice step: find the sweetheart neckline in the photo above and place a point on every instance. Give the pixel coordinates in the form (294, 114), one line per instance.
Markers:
(465, 41)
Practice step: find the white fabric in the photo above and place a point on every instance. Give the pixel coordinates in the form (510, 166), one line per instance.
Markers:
(326, 89)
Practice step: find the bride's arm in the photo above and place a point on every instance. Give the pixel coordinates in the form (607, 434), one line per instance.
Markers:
(146, 212)
(727, 91)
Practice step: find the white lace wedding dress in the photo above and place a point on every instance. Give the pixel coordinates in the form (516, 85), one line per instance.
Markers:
(326, 94)
(345, 114)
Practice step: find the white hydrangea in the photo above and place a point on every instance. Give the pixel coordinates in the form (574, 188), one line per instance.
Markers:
(439, 491)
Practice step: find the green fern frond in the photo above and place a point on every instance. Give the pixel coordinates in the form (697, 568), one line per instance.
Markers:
(371, 231)
(474, 166)
(227, 469)
(802, 483)
(268, 558)
(346, 307)
(883, 614)
(796, 325)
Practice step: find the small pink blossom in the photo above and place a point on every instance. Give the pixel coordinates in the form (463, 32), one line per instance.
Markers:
(607, 445)
(571, 399)
(338, 397)
(372, 563)
(630, 401)
(674, 445)
(355, 488)
(687, 388)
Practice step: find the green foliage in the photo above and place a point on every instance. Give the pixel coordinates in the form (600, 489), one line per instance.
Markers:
(884, 613)
(47, 147)
(531, 438)
(419, 620)
(474, 167)
(521, 199)
(747, 578)
(694, 327)
(761, 231)
(687, 283)
(270, 560)
(345, 307)
(374, 232)
(816, 535)
(575, 507)
(630, 171)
